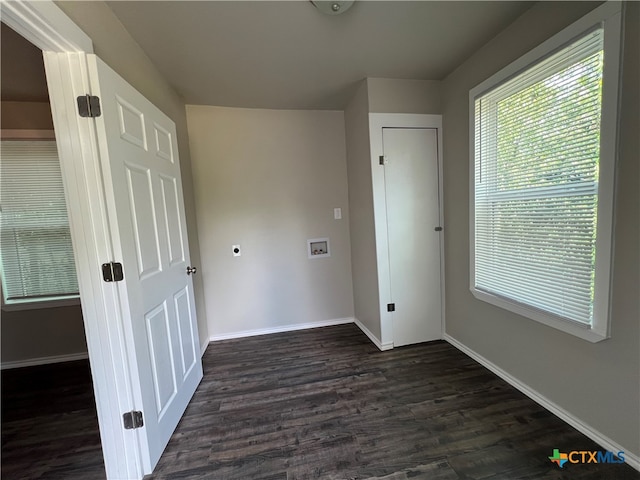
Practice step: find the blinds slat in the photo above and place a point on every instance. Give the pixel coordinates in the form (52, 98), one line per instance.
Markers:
(36, 254)
(536, 182)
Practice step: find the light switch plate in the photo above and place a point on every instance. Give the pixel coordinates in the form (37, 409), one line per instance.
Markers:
(337, 213)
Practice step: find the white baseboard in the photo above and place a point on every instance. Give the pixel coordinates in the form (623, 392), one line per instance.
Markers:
(372, 337)
(280, 329)
(31, 362)
(602, 440)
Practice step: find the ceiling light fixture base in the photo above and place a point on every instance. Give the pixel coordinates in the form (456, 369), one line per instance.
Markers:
(332, 7)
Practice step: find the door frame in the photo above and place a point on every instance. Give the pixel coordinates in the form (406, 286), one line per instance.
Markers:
(378, 121)
(65, 47)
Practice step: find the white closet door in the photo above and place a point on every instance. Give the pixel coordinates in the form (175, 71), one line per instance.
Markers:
(411, 193)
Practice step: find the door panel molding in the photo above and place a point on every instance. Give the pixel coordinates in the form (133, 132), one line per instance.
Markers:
(91, 235)
(140, 211)
(65, 48)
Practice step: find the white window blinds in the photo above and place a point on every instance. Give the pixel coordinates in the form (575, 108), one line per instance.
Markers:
(36, 252)
(537, 141)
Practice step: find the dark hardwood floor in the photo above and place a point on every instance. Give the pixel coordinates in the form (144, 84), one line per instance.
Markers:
(321, 403)
(49, 423)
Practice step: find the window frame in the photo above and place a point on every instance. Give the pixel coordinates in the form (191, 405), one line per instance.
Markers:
(609, 17)
(43, 302)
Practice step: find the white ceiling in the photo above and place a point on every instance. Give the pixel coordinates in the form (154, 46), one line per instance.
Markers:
(286, 54)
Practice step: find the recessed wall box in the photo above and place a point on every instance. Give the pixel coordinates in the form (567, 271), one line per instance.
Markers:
(318, 248)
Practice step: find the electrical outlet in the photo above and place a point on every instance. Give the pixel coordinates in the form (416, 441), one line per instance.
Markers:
(235, 249)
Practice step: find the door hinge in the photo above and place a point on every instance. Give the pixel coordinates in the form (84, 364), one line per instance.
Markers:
(391, 307)
(112, 272)
(382, 159)
(132, 419)
(89, 106)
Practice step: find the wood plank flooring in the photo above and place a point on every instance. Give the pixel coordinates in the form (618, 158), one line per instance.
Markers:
(49, 423)
(321, 403)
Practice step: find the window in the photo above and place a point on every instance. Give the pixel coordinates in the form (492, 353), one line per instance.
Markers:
(543, 148)
(36, 253)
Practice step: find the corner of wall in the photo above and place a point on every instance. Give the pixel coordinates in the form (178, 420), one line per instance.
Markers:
(361, 219)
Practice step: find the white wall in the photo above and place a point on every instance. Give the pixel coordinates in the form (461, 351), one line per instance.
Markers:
(362, 226)
(597, 384)
(269, 180)
(39, 336)
(26, 116)
(390, 95)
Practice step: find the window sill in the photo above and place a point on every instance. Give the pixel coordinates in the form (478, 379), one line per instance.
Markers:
(584, 332)
(40, 304)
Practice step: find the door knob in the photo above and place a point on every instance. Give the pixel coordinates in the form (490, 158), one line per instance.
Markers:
(191, 270)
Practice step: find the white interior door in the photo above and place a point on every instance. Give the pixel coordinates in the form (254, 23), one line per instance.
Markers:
(412, 201)
(143, 190)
